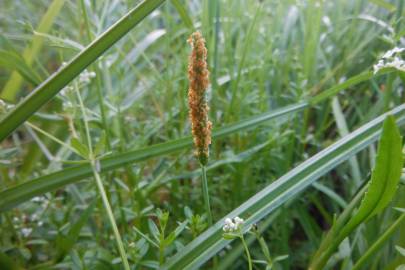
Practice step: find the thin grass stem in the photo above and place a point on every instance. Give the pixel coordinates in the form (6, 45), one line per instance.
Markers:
(206, 194)
(101, 187)
(111, 217)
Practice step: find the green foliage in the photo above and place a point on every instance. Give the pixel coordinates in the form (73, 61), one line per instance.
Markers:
(93, 108)
(380, 191)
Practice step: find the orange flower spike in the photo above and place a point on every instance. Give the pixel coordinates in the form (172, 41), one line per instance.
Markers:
(197, 101)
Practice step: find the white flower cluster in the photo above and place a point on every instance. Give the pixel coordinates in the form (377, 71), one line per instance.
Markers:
(86, 76)
(232, 225)
(391, 60)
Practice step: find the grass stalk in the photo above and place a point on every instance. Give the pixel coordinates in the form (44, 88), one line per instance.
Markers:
(100, 186)
(110, 217)
(206, 194)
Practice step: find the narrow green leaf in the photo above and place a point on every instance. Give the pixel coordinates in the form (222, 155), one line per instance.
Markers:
(80, 148)
(67, 242)
(14, 83)
(50, 87)
(13, 61)
(387, 172)
(339, 87)
(183, 14)
(101, 144)
(386, 5)
(376, 246)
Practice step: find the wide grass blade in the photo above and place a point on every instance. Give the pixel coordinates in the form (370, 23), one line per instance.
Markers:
(50, 87)
(15, 195)
(286, 187)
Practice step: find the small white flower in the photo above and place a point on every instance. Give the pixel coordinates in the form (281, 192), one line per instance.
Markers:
(233, 225)
(26, 231)
(391, 60)
(228, 221)
(238, 221)
(390, 53)
(86, 76)
(65, 90)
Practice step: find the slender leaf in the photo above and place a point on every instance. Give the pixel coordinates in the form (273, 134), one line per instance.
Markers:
(183, 14)
(12, 60)
(387, 172)
(66, 243)
(376, 246)
(14, 83)
(339, 87)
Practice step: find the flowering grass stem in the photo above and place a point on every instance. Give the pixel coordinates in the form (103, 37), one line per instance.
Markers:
(206, 194)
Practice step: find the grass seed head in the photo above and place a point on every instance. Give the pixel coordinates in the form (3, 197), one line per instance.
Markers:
(198, 75)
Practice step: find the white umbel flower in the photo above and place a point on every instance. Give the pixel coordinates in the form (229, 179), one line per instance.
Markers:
(391, 53)
(232, 225)
(391, 60)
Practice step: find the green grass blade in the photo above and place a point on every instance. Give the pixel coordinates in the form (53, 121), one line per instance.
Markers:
(344, 130)
(50, 87)
(12, 60)
(387, 172)
(339, 87)
(378, 243)
(64, 243)
(183, 14)
(14, 83)
(286, 187)
(382, 187)
(18, 194)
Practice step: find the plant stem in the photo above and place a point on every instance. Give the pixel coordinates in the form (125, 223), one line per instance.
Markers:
(206, 195)
(110, 217)
(247, 252)
(101, 187)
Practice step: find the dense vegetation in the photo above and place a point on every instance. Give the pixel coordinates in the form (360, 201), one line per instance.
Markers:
(97, 166)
